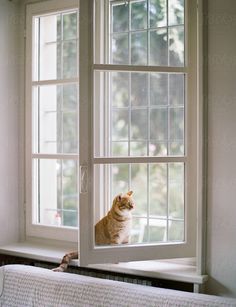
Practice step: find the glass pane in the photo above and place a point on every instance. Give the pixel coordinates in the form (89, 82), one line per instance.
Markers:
(138, 148)
(55, 190)
(158, 47)
(176, 231)
(120, 17)
(120, 122)
(120, 149)
(139, 124)
(138, 15)
(55, 120)
(158, 190)
(157, 13)
(176, 46)
(158, 194)
(69, 26)
(158, 89)
(147, 112)
(120, 49)
(139, 89)
(120, 89)
(176, 12)
(176, 190)
(53, 57)
(176, 89)
(159, 124)
(139, 48)
(70, 59)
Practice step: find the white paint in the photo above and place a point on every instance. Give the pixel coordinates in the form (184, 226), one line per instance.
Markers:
(9, 111)
(221, 226)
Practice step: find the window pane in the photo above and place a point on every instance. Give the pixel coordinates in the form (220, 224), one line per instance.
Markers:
(55, 46)
(158, 195)
(138, 15)
(157, 10)
(55, 192)
(158, 47)
(120, 17)
(69, 26)
(139, 89)
(176, 46)
(139, 124)
(176, 12)
(120, 51)
(139, 48)
(139, 114)
(55, 120)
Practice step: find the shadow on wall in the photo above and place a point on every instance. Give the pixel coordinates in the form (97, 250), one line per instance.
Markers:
(214, 287)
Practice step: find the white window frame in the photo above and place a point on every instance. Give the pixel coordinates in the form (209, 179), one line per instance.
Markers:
(193, 130)
(89, 253)
(37, 230)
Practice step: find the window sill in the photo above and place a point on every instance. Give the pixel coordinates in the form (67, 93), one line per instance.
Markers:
(183, 270)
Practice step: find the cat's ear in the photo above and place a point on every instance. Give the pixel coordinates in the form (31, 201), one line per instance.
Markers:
(119, 197)
(130, 193)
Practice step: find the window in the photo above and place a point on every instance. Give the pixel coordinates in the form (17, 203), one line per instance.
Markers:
(133, 127)
(53, 90)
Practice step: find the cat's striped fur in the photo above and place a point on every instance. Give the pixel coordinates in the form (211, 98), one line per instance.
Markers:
(114, 228)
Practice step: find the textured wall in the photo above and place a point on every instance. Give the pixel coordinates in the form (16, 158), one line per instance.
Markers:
(221, 227)
(9, 120)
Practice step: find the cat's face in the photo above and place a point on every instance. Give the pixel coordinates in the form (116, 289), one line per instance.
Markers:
(125, 202)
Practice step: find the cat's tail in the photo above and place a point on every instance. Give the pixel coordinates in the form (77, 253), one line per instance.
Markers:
(65, 261)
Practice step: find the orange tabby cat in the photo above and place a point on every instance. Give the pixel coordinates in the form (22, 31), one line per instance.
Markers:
(114, 228)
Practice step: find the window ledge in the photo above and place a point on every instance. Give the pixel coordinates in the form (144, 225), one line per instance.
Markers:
(183, 269)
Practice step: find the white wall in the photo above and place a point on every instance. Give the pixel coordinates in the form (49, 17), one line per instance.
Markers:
(9, 113)
(221, 227)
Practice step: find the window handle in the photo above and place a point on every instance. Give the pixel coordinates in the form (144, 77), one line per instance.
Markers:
(83, 179)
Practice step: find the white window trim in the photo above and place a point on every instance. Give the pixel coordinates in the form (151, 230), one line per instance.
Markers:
(89, 254)
(37, 230)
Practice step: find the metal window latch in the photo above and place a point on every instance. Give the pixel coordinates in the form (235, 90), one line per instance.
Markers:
(83, 179)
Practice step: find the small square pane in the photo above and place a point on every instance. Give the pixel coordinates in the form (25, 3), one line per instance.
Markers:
(69, 26)
(139, 48)
(159, 124)
(176, 12)
(138, 184)
(139, 124)
(176, 46)
(69, 130)
(158, 190)
(138, 15)
(158, 47)
(157, 13)
(120, 178)
(176, 148)
(158, 89)
(120, 49)
(138, 148)
(120, 17)
(176, 231)
(70, 97)
(176, 124)
(120, 124)
(120, 149)
(120, 89)
(139, 89)
(176, 89)
(157, 230)
(139, 230)
(157, 148)
(70, 59)
(176, 190)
